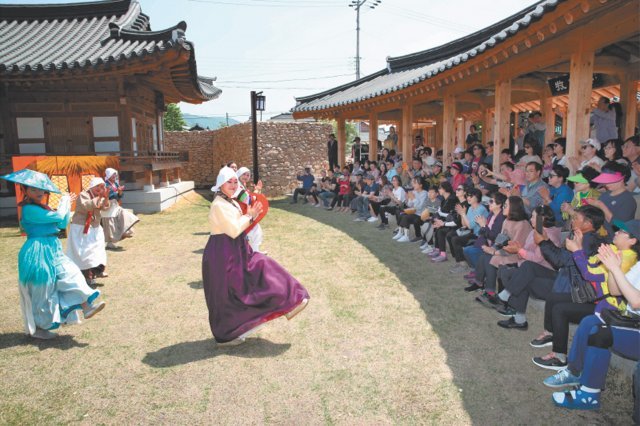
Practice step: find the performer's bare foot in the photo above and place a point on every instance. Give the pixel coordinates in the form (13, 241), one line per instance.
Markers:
(295, 311)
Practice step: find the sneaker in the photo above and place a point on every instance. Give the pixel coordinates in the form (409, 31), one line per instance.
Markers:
(329, 208)
(93, 309)
(358, 219)
(563, 378)
(403, 239)
(435, 253)
(383, 226)
(511, 323)
(550, 362)
(441, 258)
(471, 275)
(372, 219)
(547, 340)
(506, 311)
(459, 268)
(473, 287)
(577, 400)
(487, 300)
(428, 250)
(424, 245)
(398, 235)
(44, 334)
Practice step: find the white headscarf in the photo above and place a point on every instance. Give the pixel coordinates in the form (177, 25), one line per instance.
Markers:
(109, 172)
(241, 171)
(224, 175)
(96, 181)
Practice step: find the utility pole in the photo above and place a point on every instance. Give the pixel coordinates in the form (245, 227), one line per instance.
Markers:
(356, 4)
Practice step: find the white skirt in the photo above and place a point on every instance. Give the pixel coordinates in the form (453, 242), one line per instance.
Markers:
(86, 250)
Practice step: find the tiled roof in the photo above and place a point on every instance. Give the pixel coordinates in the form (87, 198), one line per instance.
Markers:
(407, 70)
(40, 39)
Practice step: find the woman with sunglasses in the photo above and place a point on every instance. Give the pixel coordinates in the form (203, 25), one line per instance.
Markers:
(558, 192)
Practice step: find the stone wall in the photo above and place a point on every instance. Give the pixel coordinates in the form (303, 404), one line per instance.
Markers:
(283, 150)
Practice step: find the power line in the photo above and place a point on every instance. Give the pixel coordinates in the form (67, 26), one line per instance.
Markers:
(288, 5)
(287, 80)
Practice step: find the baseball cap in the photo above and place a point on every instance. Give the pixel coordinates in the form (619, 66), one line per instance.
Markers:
(458, 150)
(631, 227)
(593, 142)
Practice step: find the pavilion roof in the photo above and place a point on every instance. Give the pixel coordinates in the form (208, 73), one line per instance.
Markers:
(405, 71)
(43, 40)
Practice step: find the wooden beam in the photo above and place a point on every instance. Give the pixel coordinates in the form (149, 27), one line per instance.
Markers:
(373, 136)
(502, 120)
(342, 141)
(407, 131)
(628, 90)
(580, 86)
(448, 127)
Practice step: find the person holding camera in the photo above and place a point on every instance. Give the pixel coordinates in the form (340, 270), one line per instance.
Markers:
(470, 219)
(515, 228)
(416, 203)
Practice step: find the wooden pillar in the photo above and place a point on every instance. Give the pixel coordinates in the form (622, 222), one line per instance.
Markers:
(448, 128)
(342, 141)
(502, 119)
(407, 132)
(549, 116)
(461, 132)
(628, 89)
(148, 180)
(579, 111)
(437, 129)
(399, 132)
(487, 126)
(373, 136)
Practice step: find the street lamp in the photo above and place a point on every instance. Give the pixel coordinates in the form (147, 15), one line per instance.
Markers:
(258, 102)
(356, 4)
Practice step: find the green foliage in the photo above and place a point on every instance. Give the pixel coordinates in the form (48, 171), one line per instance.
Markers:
(173, 120)
(350, 130)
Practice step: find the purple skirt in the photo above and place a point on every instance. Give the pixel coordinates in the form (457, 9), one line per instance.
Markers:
(243, 288)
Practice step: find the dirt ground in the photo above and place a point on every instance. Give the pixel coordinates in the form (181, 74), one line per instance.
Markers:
(388, 338)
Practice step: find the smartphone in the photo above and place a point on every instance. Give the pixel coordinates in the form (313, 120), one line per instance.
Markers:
(539, 224)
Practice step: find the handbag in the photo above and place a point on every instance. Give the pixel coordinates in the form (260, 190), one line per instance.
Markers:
(501, 241)
(582, 291)
(615, 318)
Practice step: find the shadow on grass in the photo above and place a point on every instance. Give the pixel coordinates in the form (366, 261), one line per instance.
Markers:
(488, 363)
(202, 233)
(196, 285)
(199, 251)
(187, 352)
(63, 342)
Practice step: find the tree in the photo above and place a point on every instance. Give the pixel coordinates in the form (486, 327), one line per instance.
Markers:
(173, 120)
(351, 133)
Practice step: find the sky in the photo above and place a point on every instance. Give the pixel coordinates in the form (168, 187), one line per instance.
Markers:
(293, 48)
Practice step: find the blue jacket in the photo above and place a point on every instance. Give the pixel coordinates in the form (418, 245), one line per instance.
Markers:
(307, 181)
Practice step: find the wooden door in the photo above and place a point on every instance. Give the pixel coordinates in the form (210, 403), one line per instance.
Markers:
(79, 134)
(57, 135)
(69, 135)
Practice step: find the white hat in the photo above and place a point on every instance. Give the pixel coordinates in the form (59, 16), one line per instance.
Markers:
(96, 181)
(593, 142)
(458, 150)
(241, 171)
(224, 175)
(110, 172)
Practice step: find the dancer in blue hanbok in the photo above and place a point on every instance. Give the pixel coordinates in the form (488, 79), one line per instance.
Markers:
(52, 288)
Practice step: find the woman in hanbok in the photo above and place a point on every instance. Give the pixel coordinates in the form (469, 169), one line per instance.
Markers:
(117, 222)
(52, 288)
(85, 245)
(255, 235)
(243, 289)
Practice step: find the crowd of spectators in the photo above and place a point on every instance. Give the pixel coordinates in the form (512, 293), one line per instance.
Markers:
(546, 225)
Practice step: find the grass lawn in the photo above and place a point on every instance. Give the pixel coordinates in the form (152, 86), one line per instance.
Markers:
(387, 338)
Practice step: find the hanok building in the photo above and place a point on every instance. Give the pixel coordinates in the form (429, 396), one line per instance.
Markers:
(93, 79)
(546, 57)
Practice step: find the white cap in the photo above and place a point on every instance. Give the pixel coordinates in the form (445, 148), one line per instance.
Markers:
(110, 172)
(458, 150)
(224, 175)
(96, 181)
(593, 142)
(241, 171)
